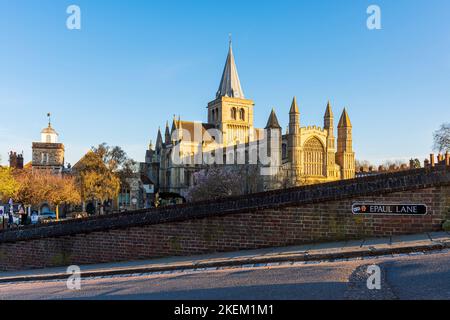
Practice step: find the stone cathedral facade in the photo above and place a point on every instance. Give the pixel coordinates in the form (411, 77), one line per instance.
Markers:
(307, 155)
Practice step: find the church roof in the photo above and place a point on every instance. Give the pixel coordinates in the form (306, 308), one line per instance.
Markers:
(230, 85)
(294, 106)
(272, 123)
(345, 120)
(190, 126)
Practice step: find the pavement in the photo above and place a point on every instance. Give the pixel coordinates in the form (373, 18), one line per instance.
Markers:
(416, 276)
(336, 251)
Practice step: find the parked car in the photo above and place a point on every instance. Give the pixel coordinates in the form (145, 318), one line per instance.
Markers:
(47, 217)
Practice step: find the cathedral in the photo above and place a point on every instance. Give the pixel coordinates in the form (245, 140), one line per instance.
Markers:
(306, 155)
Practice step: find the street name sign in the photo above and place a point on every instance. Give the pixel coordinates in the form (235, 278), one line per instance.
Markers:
(389, 209)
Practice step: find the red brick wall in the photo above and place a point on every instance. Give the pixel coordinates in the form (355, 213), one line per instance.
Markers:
(295, 224)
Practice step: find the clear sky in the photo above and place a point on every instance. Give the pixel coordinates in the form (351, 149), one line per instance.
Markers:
(136, 63)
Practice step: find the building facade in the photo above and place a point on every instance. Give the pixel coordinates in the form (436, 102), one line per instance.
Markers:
(306, 155)
(48, 154)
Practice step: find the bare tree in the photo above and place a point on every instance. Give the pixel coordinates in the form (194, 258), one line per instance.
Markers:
(442, 138)
(363, 166)
(223, 181)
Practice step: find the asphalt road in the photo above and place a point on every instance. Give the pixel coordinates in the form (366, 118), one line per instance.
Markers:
(425, 276)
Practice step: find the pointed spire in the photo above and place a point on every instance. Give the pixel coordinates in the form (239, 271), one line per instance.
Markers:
(344, 122)
(159, 139)
(329, 112)
(180, 128)
(230, 85)
(294, 106)
(174, 124)
(167, 133)
(150, 146)
(272, 123)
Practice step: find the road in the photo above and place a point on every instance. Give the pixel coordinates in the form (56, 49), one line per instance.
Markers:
(425, 276)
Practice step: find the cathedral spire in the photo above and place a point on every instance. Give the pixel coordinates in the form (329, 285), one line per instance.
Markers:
(329, 112)
(150, 145)
(167, 133)
(174, 124)
(344, 122)
(230, 85)
(294, 106)
(272, 123)
(159, 140)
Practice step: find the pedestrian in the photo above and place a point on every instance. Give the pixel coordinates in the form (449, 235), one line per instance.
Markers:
(11, 213)
(3, 218)
(10, 218)
(23, 215)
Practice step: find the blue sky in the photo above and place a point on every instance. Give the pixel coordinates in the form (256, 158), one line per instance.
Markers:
(136, 63)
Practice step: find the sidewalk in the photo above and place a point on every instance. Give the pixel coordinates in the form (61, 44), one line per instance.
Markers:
(314, 252)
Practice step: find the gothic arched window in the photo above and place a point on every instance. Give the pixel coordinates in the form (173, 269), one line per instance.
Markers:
(233, 113)
(242, 114)
(314, 157)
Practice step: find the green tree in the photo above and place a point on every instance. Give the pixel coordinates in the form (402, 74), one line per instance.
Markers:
(116, 160)
(8, 184)
(95, 179)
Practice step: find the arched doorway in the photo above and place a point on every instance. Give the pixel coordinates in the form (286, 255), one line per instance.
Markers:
(314, 157)
(45, 208)
(90, 208)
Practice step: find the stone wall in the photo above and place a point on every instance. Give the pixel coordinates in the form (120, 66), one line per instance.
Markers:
(277, 218)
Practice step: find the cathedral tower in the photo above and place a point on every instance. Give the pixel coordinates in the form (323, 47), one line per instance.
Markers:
(345, 156)
(231, 112)
(294, 140)
(331, 144)
(274, 131)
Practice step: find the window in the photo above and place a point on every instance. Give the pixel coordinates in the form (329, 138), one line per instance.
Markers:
(233, 113)
(48, 138)
(187, 178)
(242, 114)
(314, 157)
(124, 198)
(44, 157)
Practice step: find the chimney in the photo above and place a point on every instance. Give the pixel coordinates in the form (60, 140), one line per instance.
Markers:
(447, 159)
(432, 159)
